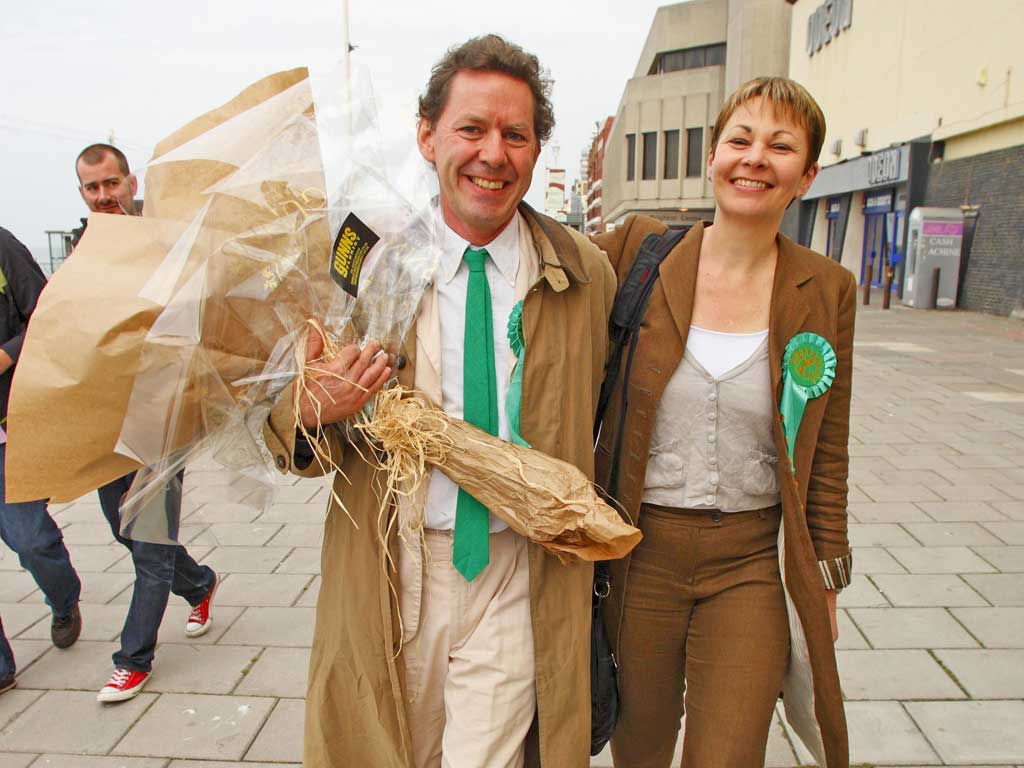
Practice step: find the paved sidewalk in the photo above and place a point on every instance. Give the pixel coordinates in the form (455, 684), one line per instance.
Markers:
(932, 631)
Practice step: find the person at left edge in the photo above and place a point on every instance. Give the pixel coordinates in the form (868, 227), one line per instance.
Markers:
(469, 670)
(107, 185)
(26, 527)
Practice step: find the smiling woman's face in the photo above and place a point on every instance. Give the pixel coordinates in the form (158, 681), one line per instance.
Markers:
(760, 162)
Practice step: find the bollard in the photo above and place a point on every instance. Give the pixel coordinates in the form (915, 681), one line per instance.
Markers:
(887, 288)
(936, 274)
(867, 283)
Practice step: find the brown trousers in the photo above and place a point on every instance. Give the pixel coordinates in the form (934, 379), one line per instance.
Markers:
(704, 613)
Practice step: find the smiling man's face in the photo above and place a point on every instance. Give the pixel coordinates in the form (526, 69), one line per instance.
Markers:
(484, 148)
(105, 188)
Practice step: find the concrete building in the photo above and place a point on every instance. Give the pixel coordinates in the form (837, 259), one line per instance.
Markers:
(696, 53)
(925, 107)
(594, 172)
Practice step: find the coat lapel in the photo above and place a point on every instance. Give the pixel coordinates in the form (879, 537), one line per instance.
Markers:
(789, 307)
(679, 279)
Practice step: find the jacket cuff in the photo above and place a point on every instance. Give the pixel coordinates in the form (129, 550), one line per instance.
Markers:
(837, 572)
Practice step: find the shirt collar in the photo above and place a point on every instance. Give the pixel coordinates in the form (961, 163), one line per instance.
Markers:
(503, 250)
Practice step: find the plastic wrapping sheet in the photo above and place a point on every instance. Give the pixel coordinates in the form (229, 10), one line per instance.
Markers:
(251, 270)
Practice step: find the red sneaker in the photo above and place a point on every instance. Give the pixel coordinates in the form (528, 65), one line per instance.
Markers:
(124, 684)
(201, 618)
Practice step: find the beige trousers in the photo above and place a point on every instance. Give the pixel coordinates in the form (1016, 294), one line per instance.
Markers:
(470, 676)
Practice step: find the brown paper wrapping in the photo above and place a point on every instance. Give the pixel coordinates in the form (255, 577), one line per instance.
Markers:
(86, 344)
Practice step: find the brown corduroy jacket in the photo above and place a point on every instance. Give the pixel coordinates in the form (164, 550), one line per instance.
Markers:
(810, 293)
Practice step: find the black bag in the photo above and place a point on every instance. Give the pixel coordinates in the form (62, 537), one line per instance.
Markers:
(623, 328)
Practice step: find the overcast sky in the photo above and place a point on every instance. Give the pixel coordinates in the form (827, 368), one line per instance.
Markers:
(72, 72)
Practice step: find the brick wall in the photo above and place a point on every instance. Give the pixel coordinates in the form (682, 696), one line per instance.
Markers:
(994, 181)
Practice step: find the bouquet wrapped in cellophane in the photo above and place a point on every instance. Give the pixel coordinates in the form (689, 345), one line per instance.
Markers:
(169, 337)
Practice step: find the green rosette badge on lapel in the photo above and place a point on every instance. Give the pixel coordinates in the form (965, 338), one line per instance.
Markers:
(514, 398)
(808, 369)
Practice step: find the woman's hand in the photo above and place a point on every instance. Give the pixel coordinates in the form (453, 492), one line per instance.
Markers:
(337, 389)
(830, 598)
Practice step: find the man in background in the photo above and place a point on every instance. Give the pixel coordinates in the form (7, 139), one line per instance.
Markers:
(27, 527)
(107, 185)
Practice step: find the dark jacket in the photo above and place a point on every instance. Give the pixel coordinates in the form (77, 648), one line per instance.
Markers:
(24, 280)
(810, 293)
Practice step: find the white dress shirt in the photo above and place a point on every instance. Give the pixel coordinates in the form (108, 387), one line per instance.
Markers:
(501, 269)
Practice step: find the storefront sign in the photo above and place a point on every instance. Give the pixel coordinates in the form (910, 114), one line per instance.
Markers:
(835, 206)
(827, 21)
(941, 238)
(884, 167)
(878, 202)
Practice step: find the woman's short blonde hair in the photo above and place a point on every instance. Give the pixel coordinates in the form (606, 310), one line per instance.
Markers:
(788, 96)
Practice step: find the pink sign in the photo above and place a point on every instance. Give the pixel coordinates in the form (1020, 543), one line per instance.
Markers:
(946, 228)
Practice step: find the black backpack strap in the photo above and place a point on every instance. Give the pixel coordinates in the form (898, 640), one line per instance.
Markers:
(623, 328)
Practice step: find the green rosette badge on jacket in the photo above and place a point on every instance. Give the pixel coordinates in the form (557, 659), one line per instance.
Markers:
(514, 398)
(808, 369)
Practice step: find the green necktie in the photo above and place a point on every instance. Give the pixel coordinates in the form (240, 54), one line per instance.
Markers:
(471, 547)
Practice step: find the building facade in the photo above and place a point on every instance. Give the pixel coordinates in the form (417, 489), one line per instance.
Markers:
(594, 174)
(696, 53)
(925, 107)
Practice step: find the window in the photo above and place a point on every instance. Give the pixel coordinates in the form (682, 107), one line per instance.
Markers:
(689, 58)
(694, 152)
(650, 167)
(630, 156)
(671, 155)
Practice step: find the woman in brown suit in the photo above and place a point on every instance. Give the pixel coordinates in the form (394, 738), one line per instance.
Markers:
(734, 462)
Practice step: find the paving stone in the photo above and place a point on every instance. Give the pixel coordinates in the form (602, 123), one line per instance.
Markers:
(999, 588)
(18, 617)
(1010, 532)
(881, 732)
(172, 629)
(300, 535)
(925, 477)
(100, 588)
(99, 622)
(850, 637)
(15, 760)
(279, 672)
(27, 652)
(891, 492)
(994, 627)
(240, 534)
(95, 558)
(961, 511)
(917, 461)
(950, 534)
(257, 589)
(310, 595)
(79, 512)
(300, 493)
(281, 738)
(1005, 559)
(313, 512)
(940, 560)
(861, 593)
(981, 461)
(301, 560)
(85, 666)
(987, 674)
(894, 674)
(16, 701)
(72, 722)
(82, 761)
(224, 764)
(249, 559)
(911, 628)
(198, 552)
(16, 586)
(215, 669)
(888, 512)
(914, 591)
(196, 727)
(87, 533)
(972, 731)
(1012, 509)
(222, 512)
(879, 535)
(290, 627)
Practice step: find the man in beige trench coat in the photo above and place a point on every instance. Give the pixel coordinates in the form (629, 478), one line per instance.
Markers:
(433, 663)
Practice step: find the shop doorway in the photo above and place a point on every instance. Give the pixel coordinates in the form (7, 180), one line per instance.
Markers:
(883, 238)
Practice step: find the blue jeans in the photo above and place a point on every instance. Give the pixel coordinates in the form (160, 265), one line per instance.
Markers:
(159, 570)
(28, 529)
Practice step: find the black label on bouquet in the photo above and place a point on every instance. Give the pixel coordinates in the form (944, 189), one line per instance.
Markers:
(354, 241)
